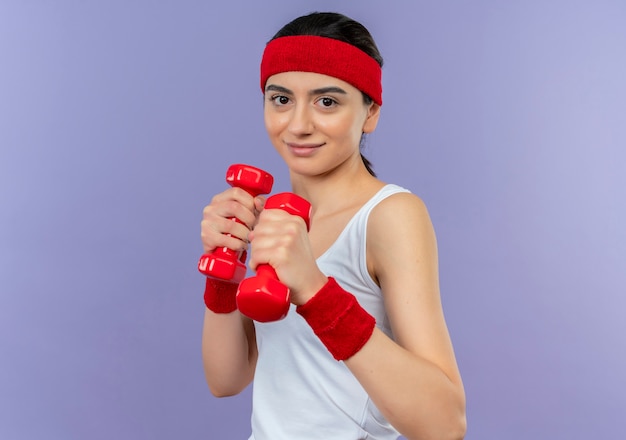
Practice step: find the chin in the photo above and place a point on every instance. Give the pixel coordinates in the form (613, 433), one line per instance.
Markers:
(305, 167)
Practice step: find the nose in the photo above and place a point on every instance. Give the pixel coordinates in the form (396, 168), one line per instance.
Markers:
(301, 121)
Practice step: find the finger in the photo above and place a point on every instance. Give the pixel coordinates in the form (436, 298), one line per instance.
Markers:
(230, 208)
(276, 236)
(220, 219)
(279, 218)
(259, 204)
(222, 232)
(236, 194)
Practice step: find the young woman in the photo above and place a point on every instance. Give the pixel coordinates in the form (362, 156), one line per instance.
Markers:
(365, 351)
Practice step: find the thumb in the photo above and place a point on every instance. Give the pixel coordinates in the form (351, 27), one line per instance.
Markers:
(259, 203)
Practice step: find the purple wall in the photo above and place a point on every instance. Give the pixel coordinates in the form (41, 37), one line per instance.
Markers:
(118, 120)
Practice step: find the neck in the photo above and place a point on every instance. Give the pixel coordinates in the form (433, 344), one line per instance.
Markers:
(336, 188)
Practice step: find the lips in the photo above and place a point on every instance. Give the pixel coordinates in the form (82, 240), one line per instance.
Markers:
(303, 150)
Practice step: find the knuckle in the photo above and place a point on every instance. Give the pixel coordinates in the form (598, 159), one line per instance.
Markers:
(205, 229)
(216, 198)
(237, 192)
(291, 229)
(209, 241)
(207, 211)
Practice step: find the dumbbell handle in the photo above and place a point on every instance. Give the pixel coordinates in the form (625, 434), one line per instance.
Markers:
(225, 263)
(263, 297)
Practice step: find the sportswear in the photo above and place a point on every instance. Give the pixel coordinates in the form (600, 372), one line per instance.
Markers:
(300, 391)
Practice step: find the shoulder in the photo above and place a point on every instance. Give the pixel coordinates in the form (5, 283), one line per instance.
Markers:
(398, 213)
(401, 242)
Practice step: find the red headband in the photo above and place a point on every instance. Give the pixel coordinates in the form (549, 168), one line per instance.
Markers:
(308, 53)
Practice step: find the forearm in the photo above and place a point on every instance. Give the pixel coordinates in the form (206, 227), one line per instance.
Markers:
(413, 392)
(228, 352)
(415, 395)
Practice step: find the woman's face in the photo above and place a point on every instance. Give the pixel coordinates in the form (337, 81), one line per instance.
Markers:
(315, 121)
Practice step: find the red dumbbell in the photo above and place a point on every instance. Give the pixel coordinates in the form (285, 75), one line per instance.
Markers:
(262, 297)
(224, 263)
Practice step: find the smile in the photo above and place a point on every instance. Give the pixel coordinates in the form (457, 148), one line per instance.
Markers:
(303, 150)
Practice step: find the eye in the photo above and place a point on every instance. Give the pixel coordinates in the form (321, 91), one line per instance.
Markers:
(279, 100)
(327, 102)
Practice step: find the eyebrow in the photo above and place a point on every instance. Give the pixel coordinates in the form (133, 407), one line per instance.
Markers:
(320, 91)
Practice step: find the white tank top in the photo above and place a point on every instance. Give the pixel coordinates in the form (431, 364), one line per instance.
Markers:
(301, 392)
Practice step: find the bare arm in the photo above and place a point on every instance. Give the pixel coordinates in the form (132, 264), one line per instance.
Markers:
(414, 381)
(229, 350)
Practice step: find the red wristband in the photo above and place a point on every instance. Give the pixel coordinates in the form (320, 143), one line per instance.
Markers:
(220, 296)
(338, 320)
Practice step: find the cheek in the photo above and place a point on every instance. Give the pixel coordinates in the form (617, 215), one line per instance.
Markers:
(344, 128)
(275, 127)
(274, 123)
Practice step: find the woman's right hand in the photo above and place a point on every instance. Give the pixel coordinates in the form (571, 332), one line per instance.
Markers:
(219, 228)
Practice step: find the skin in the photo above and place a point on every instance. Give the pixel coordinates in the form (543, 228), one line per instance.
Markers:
(315, 123)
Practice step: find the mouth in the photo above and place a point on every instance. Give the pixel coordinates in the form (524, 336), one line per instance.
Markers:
(303, 150)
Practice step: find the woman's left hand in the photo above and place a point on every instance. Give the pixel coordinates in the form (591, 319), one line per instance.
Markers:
(282, 241)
